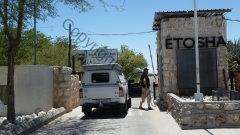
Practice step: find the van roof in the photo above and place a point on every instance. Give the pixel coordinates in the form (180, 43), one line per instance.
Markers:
(109, 66)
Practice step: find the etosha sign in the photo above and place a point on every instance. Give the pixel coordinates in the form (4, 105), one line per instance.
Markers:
(190, 42)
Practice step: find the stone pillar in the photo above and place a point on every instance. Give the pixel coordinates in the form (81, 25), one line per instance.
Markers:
(66, 88)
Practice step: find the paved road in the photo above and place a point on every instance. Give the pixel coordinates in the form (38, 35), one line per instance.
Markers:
(140, 122)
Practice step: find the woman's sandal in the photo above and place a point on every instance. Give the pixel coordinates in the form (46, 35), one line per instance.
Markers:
(150, 108)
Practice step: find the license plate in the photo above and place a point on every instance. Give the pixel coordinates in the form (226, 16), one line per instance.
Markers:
(102, 101)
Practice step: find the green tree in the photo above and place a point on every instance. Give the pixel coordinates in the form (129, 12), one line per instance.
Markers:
(130, 60)
(25, 54)
(3, 49)
(14, 15)
(57, 53)
(233, 56)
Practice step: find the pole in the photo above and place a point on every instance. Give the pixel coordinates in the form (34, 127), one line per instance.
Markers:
(198, 96)
(154, 91)
(152, 63)
(69, 49)
(73, 65)
(35, 57)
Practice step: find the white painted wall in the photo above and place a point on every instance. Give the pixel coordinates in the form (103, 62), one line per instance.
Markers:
(33, 87)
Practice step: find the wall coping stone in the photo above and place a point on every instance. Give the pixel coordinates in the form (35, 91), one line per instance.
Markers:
(197, 102)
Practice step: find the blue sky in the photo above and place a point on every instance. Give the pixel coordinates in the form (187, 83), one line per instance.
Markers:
(136, 17)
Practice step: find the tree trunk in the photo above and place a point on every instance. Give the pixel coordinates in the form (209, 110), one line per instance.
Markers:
(10, 88)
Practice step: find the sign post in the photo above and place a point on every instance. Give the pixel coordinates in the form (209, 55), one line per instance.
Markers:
(198, 96)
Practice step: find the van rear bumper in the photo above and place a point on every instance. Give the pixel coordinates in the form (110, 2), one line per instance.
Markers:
(103, 105)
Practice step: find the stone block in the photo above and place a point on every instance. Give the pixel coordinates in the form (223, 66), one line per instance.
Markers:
(172, 61)
(170, 25)
(166, 81)
(67, 77)
(220, 68)
(172, 74)
(215, 33)
(174, 83)
(60, 104)
(63, 99)
(60, 92)
(188, 106)
(187, 112)
(66, 105)
(165, 74)
(185, 25)
(55, 85)
(219, 22)
(166, 89)
(202, 23)
(66, 70)
(165, 67)
(55, 99)
(175, 67)
(212, 106)
(180, 24)
(231, 106)
(166, 60)
(221, 118)
(170, 67)
(66, 92)
(202, 117)
(60, 77)
(190, 24)
(200, 106)
(234, 117)
(165, 33)
(208, 23)
(55, 93)
(55, 70)
(65, 85)
(185, 120)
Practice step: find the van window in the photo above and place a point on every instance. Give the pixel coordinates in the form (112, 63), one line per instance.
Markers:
(100, 77)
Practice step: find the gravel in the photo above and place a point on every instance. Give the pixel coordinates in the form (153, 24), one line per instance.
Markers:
(5, 125)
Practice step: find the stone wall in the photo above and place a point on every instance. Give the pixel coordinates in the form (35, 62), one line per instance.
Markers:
(184, 28)
(66, 88)
(211, 114)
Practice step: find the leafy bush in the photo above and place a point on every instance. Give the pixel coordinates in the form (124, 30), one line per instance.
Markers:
(234, 55)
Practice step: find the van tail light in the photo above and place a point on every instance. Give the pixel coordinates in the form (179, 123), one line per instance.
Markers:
(80, 93)
(121, 92)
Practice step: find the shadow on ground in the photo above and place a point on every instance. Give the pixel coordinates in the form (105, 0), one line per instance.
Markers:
(92, 124)
(104, 113)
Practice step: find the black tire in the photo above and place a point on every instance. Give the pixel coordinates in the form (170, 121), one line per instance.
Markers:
(88, 111)
(124, 108)
(129, 103)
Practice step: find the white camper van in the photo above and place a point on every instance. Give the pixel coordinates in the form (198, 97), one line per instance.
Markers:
(104, 85)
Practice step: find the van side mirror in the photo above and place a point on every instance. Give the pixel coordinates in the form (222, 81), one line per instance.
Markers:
(117, 81)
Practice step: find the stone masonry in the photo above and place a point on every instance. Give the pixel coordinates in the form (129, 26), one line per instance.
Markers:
(209, 114)
(66, 88)
(184, 28)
